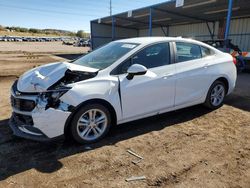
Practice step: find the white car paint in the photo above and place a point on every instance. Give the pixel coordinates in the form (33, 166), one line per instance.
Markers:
(145, 93)
(192, 80)
(160, 90)
(39, 79)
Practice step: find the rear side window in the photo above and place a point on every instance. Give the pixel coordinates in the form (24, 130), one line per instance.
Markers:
(205, 51)
(187, 51)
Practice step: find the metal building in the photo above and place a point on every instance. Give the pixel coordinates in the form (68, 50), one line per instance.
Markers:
(198, 19)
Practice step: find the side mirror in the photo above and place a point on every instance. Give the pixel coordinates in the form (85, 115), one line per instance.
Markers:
(136, 69)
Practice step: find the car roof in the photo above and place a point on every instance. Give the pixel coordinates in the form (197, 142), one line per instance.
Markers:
(216, 40)
(148, 40)
(144, 41)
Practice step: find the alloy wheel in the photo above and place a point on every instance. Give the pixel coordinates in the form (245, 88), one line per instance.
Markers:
(217, 95)
(92, 124)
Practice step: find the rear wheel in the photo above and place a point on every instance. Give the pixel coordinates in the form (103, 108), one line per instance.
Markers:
(91, 123)
(216, 95)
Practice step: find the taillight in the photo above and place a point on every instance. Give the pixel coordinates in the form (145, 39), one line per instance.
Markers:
(234, 60)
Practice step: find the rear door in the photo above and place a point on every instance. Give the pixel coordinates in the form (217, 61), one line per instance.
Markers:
(192, 75)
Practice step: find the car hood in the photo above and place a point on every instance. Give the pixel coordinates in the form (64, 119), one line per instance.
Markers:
(41, 78)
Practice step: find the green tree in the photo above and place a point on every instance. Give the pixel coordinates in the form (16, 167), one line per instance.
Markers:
(81, 34)
(32, 30)
(22, 29)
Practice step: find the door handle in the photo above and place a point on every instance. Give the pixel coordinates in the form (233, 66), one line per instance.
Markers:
(168, 75)
(206, 66)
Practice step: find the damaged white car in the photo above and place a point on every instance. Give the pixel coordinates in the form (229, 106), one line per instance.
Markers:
(122, 81)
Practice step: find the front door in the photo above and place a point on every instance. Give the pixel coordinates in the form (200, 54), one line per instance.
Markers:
(154, 91)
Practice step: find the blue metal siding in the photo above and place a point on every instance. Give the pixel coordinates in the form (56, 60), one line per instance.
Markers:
(102, 33)
(239, 32)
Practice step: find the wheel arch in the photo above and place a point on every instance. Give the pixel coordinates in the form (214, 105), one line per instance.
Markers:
(225, 81)
(207, 101)
(91, 101)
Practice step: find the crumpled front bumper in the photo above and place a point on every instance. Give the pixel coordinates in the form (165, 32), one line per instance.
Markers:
(26, 131)
(32, 118)
(47, 124)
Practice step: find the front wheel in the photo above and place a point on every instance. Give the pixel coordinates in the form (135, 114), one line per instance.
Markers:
(216, 95)
(91, 123)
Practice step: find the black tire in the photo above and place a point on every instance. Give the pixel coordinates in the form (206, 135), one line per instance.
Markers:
(208, 103)
(74, 123)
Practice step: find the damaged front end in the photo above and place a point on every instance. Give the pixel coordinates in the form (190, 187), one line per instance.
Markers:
(39, 116)
(51, 97)
(38, 111)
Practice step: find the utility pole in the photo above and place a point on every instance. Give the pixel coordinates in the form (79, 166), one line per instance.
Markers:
(110, 7)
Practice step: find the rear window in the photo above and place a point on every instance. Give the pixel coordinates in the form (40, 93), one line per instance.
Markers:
(187, 51)
(205, 51)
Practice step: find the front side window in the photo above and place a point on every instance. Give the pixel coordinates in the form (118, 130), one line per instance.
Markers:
(105, 56)
(153, 56)
(187, 51)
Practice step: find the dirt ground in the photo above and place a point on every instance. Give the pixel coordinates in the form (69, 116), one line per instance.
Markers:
(193, 147)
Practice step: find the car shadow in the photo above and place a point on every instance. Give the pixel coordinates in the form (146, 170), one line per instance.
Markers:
(18, 155)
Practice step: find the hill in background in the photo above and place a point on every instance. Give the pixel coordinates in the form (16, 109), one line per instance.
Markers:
(21, 31)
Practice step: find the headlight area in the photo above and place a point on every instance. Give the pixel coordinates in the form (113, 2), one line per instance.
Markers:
(51, 113)
(46, 117)
(51, 99)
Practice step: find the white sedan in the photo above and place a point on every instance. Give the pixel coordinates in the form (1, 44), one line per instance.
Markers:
(122, 81)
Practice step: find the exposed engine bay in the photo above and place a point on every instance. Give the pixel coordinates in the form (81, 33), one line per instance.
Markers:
(47, 84)
(34, 106)
(72, 77)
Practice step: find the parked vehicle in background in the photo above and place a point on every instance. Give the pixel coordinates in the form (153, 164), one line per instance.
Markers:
(242, 58)
(122, 81)
(86, 43)
(68, 42)
(18, 39)
(10, 39)
(82, 43)
(30, 39)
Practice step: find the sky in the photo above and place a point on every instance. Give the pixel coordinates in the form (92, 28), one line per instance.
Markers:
(69, 15)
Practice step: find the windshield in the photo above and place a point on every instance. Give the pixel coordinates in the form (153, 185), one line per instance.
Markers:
(106, 55)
